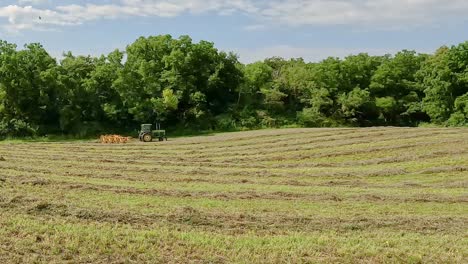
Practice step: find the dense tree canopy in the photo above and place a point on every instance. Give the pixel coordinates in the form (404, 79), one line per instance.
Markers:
(188, 85)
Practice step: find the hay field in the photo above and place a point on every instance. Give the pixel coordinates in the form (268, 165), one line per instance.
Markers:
(374, 195)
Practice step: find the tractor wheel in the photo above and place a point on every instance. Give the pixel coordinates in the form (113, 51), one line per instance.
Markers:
(147, 137)
(161, 139)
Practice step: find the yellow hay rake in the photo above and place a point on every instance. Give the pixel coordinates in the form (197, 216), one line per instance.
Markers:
(114, 139)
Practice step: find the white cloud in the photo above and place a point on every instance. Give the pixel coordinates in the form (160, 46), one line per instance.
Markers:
(33, 2)
(360, 13)
(21, 16)
(368, 13)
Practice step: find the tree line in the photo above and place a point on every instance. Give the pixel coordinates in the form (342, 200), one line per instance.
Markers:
(194, 86)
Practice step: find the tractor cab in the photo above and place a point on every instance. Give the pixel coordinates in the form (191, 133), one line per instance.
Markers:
(147, 133)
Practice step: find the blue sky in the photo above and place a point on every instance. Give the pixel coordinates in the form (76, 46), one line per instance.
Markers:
(254, 29)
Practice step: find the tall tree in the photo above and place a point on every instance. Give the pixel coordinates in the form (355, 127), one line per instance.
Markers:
(28, 85)
(444, 78)
(395, 88)
(201, 79)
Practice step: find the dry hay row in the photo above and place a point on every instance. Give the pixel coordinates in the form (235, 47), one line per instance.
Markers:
(37, 178)
(129, 155)
(127, 167)
(393, 159)
(329, 137)
(240, 175)
(302, 144)
(161, 152)
(193, 168)
(235, 223)
(390, 158)
(117, 200)
(267, 142)
(247, 195)
(48, 189)
(350, 186)
(157, 173)
(132, 178)
(326, 151)
(344, 190)
(142, 147)
(288, 134)
(286, 149)
(76, 191)
(236, 137)
(298, 155)
(220, 148)
(197, 141)
(198, 154)
(262, 144)
(402, 158)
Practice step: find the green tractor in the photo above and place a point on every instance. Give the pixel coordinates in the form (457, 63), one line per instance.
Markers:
(147, 134)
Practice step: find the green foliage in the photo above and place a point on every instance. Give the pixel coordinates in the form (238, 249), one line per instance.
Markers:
(171, 102)
(436, 79)
(225, 122)
(353, 103)
(176, 81)
(311, 117)
(396, 89)
(273, 99)
(28, 87)
(460, 117)
(444, 78)
(17, 128)
(194, 86)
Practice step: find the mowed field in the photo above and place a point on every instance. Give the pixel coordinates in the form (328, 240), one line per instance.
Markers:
(372, 195)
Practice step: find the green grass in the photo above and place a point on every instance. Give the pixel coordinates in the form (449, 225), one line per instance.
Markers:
(375, 195)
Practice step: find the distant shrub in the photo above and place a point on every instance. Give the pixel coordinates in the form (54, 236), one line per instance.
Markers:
(225, 122)
(248, 119)
(457, 119)
(17, 128)
(310, 117)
